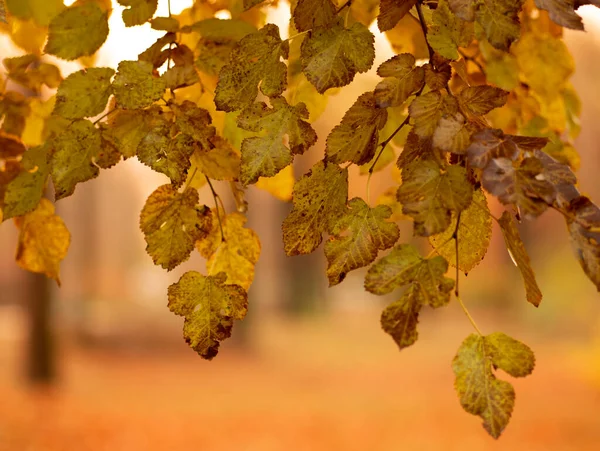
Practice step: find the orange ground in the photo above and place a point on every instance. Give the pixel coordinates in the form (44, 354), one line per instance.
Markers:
(325, 385)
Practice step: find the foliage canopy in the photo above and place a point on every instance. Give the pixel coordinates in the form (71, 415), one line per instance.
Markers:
(477, 99)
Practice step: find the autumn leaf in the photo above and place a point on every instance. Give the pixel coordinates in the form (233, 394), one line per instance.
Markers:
(583, 223)
(473, 234)
(356, 138)
(429, 194)
(562, 12)
(127, 128)
(209, 307)
(480, 100)
(416, 149)
(76, 155)
(265, 155)
(255, 60)
(236, 255)
(170, 156)
(43, 241)
(309, 14)
(79, 30)
(222, 162)
(169, 24)
(172, 222)
(400, 318)
(480, 392)
(139, 11)
(488, 144)
(180, 76)
(23, 193)
(135, 86)
(453, 134)
(391, 11)
(194, 122)
(401, 80)
(10, 146)
(357, 236)
(500, 21)
(448, 32)
(319, 201)
(427, 110)
(519, 255)
(332, 56)
(41, 11)
(405, 266)
(84, 93)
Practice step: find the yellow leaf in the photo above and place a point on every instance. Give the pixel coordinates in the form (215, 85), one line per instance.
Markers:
(281, 185)
(43, 241)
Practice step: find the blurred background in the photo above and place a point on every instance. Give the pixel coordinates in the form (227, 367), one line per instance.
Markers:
(100, 364)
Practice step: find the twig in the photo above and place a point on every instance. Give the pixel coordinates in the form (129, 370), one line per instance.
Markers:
(297, 35)
(348, 3)
(104, 115)
(215, 197)
(424, 27)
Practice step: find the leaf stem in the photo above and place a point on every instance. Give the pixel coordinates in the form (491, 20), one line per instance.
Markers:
(215, 197)
(471, 320)
(424, 27)
(297, 35)
(169, 7)
(104, 115)
(189, 182)
(348, 3)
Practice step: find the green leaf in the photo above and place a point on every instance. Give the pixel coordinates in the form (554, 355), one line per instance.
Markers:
(41, 11)
(172, 222)
(400, 318)
(404, 266)
(139, 11)
(562, 12)
(310, 14)
(489, 143)
(480, 100)
(584, 229)
(237, 255)
(448, 32)
(357, 236)
(519, 256)
(427, 110)
(255, 60)
(209, 307)
(356, 138)
(391, 11)
(84, 93)
(169, 24)
(127, 128)
(479, 391)
(401, 80)
(319, 201)
(266, 155)
(24, 192)
(135, 86)
(429, 194)
(474, 235)
(332, 56)
(79, 30)
(76, 155)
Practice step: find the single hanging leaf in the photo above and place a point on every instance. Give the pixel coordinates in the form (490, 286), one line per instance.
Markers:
(479, 391)
(266, 155)
(584, 228)
(429, 194)
(519, 255)
(76, 155)
(135, 86)
(237, 255)
(480, 100)
(489, 143)
(405, 266)
(427, 110)
(500, 21)
(255, 60)
(79, 30)
(139, 11)
(519, 184)
(400, 318)
(43, 241)
(448, 32)
(84, 93)
(391, 11)
(332, 56)
(209, 307)
(319, 201)
(24, 192)
(310, 14)
(474, 234)
(356, 138)
(172, 222)
(401, 80)
(357, 236)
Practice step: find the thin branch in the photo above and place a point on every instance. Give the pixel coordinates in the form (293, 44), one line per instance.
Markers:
(215, 197)
(297, 35)
(348, 3)
(383, 144)
(424, 28)
(104, 115)
(189, 181)
(169, 7)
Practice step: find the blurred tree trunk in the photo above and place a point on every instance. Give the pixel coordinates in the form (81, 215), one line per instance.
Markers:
(41, 353)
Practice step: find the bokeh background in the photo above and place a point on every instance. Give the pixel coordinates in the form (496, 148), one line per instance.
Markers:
(309, 369)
